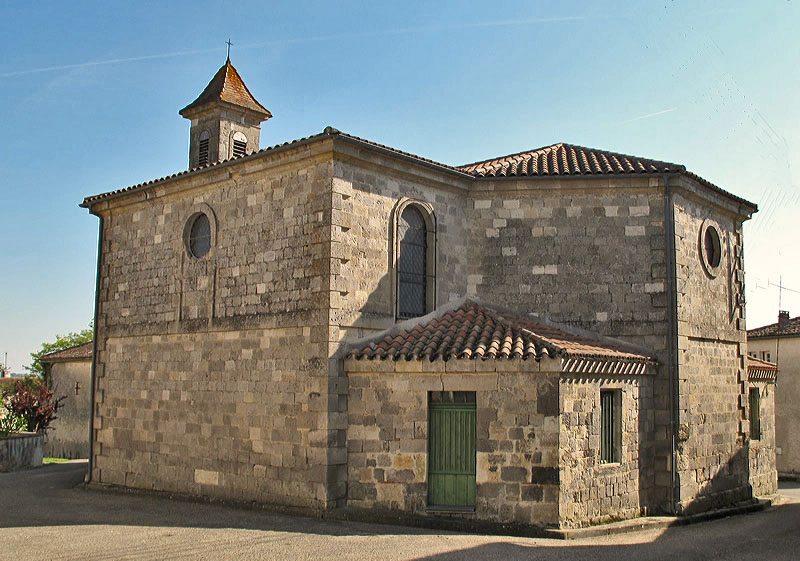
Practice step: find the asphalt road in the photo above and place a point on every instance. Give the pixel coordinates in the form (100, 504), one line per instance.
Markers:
(44, 514)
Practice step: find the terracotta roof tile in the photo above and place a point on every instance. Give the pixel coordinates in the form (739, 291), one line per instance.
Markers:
(78, 352)
(227, 86)
(571, 160)
(758, 369)
(790, 329)
(567, 159)
(475, 331)
(558, 159)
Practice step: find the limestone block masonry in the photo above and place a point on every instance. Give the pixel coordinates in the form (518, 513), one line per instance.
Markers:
(225, 375)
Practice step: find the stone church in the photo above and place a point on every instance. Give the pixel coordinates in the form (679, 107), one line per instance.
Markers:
(553, 338)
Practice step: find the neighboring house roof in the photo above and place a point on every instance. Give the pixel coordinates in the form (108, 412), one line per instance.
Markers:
(758, 369)
(474, 331)
(227, 86)
(556, 160)
(790, 329)
(78, 352)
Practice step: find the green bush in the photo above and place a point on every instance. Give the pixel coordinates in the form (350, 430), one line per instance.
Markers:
(9, 422)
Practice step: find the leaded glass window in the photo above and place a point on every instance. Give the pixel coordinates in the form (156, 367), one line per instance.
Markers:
(200, 236)
(411, 264)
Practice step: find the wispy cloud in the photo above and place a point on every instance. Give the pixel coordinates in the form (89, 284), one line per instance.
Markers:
(102, 62)
(376, 33)
(656, 114)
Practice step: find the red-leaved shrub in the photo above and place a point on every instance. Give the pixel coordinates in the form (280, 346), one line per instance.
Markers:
(36, 403)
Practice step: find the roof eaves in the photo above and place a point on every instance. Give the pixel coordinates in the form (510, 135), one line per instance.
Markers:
(395, 152)
(89, 201)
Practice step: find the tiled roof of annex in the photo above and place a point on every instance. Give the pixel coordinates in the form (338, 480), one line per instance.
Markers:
(78, 352)
(758, 369)
(227, 86)
(789, 329)
(471, 330)
(563, 160)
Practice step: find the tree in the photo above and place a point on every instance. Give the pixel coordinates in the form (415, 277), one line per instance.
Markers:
(62, 342)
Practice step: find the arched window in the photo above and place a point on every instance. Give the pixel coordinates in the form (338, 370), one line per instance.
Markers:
(239, 145)
(414, 263)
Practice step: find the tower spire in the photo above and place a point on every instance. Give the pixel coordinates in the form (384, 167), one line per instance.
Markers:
(226, 119)
(228, 42)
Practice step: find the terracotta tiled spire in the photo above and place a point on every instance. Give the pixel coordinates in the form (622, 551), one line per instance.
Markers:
(227, 86)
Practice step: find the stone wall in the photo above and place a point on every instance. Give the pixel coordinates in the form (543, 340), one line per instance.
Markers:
(583, 252)
(593, 492)
(712, 454)
(590, 253)
(211, 375)
(362, 269)
(68, 436)
(517, 436)
(763, 475)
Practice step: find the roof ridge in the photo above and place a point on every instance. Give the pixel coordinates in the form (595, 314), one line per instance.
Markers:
(551, 147)
(481, 331)
(510, 155)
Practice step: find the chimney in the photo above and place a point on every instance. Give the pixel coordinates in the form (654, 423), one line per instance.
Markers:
(783, 318)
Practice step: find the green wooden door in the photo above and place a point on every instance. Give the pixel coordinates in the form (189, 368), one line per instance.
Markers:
(451, 449)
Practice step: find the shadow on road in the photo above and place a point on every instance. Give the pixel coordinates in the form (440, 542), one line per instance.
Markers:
(53, 496)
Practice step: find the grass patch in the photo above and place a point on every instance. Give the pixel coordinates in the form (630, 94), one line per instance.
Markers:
(54, 460)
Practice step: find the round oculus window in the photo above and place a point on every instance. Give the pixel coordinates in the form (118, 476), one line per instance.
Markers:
(199, 241)
(710, 248)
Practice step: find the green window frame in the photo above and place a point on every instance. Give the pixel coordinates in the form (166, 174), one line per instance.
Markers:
(610, 426)
(755, 414)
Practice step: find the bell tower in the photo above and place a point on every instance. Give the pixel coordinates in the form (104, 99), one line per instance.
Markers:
(226, 119)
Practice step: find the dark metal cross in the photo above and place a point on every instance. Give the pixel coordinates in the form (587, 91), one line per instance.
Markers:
(77, 387)
(228, 42)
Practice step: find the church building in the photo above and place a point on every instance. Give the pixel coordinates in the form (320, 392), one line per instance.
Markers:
(554, 338)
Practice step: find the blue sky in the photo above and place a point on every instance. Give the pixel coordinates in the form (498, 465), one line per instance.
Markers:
(90, 96)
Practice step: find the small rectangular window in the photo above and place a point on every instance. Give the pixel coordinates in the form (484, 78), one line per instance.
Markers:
(755, 414)
(765, 356)
(610, 426)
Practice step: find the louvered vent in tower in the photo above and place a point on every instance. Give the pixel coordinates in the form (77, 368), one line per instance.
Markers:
(239, 148)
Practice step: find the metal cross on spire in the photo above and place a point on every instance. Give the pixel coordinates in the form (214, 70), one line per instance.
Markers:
(228, 42)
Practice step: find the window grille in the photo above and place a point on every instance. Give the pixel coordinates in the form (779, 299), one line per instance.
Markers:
(411, 264)
(239, 148)
(610, 426)
(755, 414)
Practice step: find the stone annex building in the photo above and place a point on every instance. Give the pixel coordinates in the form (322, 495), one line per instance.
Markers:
(551, 338)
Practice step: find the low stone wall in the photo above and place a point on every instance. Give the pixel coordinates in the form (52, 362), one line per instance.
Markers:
(21, 451)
